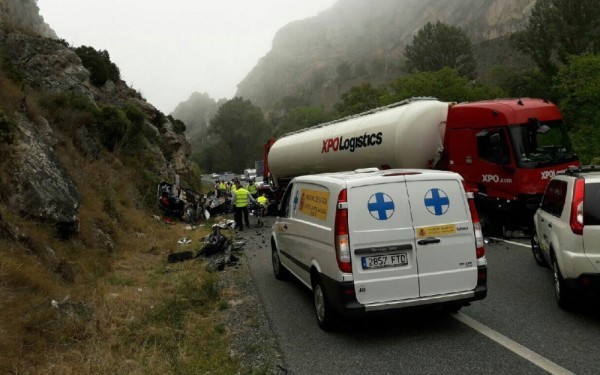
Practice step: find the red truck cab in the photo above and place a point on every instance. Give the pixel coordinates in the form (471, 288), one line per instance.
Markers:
(507, 150)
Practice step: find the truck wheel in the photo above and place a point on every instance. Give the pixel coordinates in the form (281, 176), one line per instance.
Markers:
(561, 291)
(537, 252)
(281, 273)
(323, 311)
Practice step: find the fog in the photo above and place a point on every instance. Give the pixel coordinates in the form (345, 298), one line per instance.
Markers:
(168, 50)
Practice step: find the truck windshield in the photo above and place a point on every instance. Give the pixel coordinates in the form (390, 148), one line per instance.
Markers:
(538, 144)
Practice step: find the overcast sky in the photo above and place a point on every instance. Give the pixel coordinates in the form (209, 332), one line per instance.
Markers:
(167, 49)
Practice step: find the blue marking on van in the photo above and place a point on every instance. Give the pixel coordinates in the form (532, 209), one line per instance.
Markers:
(437, 202)
(296, 200)
(381, 206)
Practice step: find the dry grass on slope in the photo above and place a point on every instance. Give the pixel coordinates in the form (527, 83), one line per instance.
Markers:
(107, 301)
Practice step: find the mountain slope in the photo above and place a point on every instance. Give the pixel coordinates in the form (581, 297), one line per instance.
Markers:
(317, 59)
(25, 15)
(78, 174)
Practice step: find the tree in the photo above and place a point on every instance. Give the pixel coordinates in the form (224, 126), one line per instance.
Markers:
(300, 118)
(241, 130)
(559, 28)
(445, 84)
(578, 83)
(359, 99)
(440, 45)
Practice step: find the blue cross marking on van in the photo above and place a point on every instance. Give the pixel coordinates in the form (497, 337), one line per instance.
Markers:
(381, 206)
(437, 202)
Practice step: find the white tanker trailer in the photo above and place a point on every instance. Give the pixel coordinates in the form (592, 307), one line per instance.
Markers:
(505, 149)
(408, 134)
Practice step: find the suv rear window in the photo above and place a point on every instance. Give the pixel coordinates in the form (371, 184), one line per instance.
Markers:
(591, 204)
(554, 198)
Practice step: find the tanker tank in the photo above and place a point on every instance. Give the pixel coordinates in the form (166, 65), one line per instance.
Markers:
(407, 134)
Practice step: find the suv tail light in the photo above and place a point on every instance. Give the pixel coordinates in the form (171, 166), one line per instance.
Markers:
(576, 220)
(480, 250)
(341, 234)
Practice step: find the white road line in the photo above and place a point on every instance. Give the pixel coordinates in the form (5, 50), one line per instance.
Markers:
(510, 242)
(513, 346)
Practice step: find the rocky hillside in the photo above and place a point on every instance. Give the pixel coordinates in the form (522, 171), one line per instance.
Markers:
(25, 16)
(81, 160)
(45, 68)
(317, 59)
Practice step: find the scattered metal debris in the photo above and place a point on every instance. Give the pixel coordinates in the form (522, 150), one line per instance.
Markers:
(184, 241)
(225, 224)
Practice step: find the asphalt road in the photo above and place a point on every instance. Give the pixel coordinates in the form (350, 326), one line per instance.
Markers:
(517, 329)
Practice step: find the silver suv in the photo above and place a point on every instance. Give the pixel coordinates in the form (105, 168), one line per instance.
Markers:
(567, 232)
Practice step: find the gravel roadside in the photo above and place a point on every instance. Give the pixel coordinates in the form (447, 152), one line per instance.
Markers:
(251, 335)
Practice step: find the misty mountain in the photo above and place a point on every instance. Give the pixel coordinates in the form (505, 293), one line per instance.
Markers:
(196, 113)
(25, 15)
(314, 61)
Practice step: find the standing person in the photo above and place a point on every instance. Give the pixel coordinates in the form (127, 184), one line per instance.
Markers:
(239, 200)
(222, 188)
(252, 189)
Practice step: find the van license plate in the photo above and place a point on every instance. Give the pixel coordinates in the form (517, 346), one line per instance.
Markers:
(384, 261)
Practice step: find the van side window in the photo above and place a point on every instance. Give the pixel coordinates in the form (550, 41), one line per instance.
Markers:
(591, 204)
(492, 146)
(285, 201)
(554, 198)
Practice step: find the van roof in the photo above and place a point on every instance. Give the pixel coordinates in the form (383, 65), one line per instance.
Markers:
(373, 173)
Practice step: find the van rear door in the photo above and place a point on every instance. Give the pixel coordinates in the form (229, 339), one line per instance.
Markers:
(384, 263)
(591, 221)
(445, 241)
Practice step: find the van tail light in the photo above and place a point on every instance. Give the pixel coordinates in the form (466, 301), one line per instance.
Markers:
(480, 250)
(576, 220)
(342, 234)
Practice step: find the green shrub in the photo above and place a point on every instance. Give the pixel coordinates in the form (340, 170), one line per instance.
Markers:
(68, 110)
(160, 120)
(11, 71)
(178, 125)
(99, 65)
(137, 118)
(7, 129)
(57, 101)
(112, 126)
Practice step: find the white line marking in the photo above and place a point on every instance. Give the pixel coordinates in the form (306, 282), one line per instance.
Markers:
(511, 345)
(510, 242)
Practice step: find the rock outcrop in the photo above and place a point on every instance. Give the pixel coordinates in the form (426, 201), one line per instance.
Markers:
(41, 186)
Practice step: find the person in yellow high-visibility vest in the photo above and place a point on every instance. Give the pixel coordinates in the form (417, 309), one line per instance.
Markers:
(222, 188)
(252, 189)
(264, 203)
(262, 200)
(239, 199)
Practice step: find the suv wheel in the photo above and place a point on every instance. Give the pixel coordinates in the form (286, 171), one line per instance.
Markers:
(563, 295)
(323, 311)
(537, 252)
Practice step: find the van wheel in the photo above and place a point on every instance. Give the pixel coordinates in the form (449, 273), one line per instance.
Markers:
(281, 273)
(561, 291)
(323, 311)
(537, 252)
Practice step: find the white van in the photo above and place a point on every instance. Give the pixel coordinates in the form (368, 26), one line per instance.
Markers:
(249, 174)
(373, 240)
